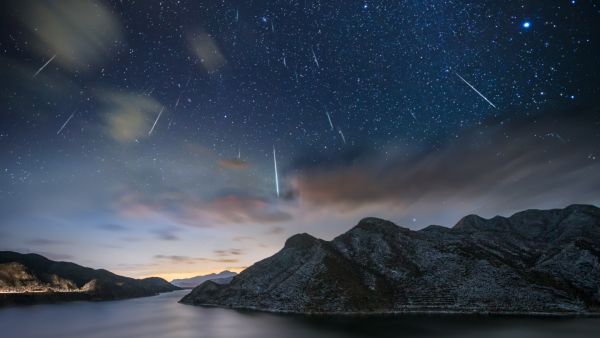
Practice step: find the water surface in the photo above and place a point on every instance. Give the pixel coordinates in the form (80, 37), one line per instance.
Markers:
(162, 316)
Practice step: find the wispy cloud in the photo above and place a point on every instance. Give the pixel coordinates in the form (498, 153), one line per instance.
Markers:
(482, 166)
(205, 48)
(79, 32)
(44, 242)
(233, 164)
(112, 227)
(231, 208)
(192, 260)
(128, 116)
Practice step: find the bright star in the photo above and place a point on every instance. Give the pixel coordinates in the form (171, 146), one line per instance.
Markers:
(526, 24)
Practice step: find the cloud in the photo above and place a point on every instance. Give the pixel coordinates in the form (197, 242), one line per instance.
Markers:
(79, 32)
(275, 231)
(233, 164)
(176, 259)
(112, 227)
(230, 208)
(228, 252)
(129, 116)
(166, 234)
(207, 51)
(44, 242)
(503, 165)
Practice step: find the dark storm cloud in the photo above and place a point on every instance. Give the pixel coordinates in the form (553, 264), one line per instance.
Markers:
(508, 163)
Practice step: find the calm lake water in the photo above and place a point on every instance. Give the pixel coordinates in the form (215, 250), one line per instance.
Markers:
(162, 316)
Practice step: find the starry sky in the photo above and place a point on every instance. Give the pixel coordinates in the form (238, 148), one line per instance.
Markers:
(139, 136)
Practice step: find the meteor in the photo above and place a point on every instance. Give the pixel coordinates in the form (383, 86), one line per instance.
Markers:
(342, 135)
(276, 175)
(476, 91)
(155, 121)
(44, 66)
(329, 119)
(315, 58)
(65, 124)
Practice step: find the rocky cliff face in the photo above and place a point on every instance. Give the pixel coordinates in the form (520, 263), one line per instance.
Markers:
(31, 278)
(533, 261)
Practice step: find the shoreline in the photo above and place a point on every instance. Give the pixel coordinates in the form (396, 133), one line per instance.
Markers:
(415, 312)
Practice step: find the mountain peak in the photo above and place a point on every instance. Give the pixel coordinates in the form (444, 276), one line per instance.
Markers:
(300, 241)
(542, 261)
(374, 224)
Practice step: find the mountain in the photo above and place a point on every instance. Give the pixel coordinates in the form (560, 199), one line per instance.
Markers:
(223, 277)
(536, 261)
(31, 278)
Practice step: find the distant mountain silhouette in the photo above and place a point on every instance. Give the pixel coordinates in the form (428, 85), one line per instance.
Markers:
(223, 277)
(536, 261)
(31, 278)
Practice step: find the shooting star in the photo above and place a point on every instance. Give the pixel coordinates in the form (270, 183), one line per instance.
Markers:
(284, 63)
(239, 154)
(329, 119)
(476, 91)
(44, 66)
(237, 15)
(413, 116)
(155, 121)
(315, 58)
(342, 135)
(65, 124)
(276, 175)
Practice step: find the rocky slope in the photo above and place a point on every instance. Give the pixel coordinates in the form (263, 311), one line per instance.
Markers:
(532, 262)
(31, 278)
(223, 277)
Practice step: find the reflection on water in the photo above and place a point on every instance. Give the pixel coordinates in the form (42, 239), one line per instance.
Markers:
(162, 316)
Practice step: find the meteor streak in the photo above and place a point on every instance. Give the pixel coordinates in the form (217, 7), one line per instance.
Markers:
(476, 91)
(315, 58)
(329, 119)
(155, 121)
(65, 124)
(342, 135)
(44, 66)
(276, 175)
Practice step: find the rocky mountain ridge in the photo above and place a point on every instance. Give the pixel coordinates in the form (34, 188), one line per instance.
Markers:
(535, 261)
(31, 278)
(223, 277)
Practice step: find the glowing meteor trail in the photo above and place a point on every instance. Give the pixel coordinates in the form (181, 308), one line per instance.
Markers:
(342, 135)
(155, 121)
(329, 119)
(315, 57)
(476, 91)
(44, 66)
(276, 175)
(65, 124)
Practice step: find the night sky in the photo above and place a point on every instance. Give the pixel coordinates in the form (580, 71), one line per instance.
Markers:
(139, 136)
